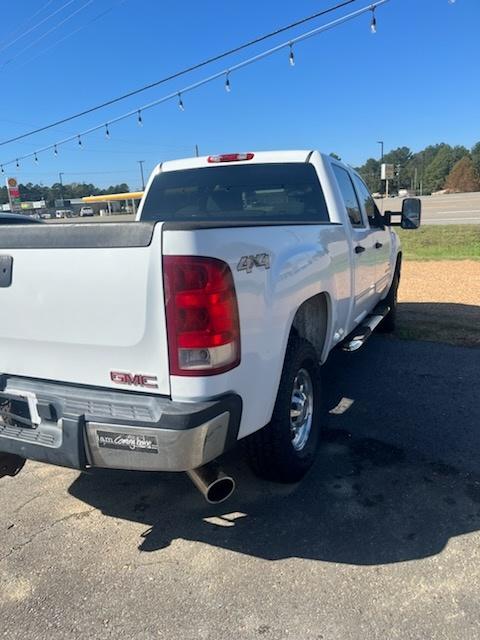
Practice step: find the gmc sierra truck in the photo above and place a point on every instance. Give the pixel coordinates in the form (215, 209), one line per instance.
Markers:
(158, 344)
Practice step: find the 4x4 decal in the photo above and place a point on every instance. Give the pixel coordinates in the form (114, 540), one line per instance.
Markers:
(247, 263)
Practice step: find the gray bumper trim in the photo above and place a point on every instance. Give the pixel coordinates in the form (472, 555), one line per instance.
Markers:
(85, 426)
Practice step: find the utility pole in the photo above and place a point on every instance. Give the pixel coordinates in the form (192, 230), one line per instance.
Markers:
(140, 162)
(60, 175)
(380, 142)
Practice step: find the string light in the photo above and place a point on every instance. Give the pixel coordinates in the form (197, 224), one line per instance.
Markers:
(18, 164)
(373, 24)
(291, 57)
(107, 132)
(35, 158)
(3, 170)
(264, 54)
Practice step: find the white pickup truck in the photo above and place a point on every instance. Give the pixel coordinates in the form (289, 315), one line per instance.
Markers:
(158, 344)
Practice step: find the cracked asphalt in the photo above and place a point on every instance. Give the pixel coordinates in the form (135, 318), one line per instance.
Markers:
(381, 540)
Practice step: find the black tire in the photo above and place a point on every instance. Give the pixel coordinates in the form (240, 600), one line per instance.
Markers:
(270, 450)
(389, 322)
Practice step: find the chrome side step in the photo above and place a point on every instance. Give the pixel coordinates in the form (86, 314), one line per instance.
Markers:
(361, 334)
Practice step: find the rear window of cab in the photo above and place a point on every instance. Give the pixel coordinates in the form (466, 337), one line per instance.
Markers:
(289, 192)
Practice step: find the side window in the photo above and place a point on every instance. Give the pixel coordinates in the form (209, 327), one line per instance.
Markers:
(349, 196)
(371, 209)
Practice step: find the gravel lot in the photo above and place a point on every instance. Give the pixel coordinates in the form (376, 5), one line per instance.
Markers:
(380, 541)
(440, 300)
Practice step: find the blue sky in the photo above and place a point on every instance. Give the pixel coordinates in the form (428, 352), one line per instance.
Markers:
(415, 82)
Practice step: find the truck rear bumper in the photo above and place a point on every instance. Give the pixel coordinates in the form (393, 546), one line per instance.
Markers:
(83, 427)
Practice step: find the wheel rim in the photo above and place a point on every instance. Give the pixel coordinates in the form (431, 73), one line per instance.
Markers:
(301, 409)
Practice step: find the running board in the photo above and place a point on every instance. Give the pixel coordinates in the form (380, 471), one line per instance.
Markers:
(361, 334)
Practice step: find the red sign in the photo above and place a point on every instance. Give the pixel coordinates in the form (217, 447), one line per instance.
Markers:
(13, 194)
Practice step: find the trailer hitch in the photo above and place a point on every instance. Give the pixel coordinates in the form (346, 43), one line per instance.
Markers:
(10, 464)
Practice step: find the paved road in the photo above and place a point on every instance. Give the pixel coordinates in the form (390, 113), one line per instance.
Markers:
(380, 541)
(449, 209)
(455, 208)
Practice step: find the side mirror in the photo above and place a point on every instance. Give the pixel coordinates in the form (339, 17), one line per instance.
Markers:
(411, 213)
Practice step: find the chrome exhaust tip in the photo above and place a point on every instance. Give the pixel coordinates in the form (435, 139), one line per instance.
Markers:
(212, 482)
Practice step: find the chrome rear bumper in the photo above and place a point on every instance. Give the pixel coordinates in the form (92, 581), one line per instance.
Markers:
(85, 427)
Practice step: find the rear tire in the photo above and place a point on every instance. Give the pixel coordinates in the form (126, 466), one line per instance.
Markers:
(285, 449)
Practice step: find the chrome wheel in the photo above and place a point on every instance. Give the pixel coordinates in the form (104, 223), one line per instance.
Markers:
(301, 409)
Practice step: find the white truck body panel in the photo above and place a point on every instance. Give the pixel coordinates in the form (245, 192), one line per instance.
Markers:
(79, 314)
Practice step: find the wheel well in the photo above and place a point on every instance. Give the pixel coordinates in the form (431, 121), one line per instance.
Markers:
(311, 321)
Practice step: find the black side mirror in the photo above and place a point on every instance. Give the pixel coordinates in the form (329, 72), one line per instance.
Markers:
(411, 213)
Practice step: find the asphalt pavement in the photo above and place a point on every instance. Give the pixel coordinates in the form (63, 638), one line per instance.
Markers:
(456, 208)
(453, 208)
(381, 540)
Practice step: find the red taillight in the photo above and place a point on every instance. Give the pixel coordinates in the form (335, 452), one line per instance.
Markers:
(231, 157)
(202, 315)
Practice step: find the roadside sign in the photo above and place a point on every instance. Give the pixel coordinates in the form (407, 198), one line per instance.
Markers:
(387, 171)
(13, 194)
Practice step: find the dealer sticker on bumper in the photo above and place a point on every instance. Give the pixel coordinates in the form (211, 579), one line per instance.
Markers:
(127, 442)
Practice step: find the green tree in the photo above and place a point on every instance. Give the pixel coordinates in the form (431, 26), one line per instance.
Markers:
(438, 169)
(334, 155)
(475, 155)
(463, 177)
(370, 172)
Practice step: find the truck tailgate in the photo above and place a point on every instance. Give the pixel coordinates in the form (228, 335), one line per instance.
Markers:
(84, 301)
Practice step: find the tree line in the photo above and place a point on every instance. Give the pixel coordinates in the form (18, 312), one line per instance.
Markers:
(436, 167)
(30, 191)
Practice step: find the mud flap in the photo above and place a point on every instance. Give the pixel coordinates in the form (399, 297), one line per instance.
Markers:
(10, 464)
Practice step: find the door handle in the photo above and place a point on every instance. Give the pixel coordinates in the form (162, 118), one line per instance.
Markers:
(378, 245)
(359, 249)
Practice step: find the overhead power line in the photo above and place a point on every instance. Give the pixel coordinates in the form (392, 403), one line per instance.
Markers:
(183, 72)
(46, 33)
(38, 24)
(177, 95)
(74, 32)
(25, 22)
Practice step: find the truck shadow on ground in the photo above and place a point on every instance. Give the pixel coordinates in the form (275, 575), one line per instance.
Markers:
(380, 492)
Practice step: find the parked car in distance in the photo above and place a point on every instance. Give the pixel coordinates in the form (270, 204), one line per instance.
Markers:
(86, 211)
(17, 218)
(63, 213)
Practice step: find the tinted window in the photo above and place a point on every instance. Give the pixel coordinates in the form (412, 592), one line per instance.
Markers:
(373, 214)
(349, 196)
(255, 192)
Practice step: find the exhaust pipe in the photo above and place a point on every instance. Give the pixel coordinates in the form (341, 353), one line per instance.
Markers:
(213, 484)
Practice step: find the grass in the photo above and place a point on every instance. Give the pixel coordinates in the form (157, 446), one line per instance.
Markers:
(442, 242)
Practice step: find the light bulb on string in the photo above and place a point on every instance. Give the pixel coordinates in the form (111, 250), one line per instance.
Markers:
(3, 170)
(55, 150)
(79, 141)
(373, 23)
(228, 88)
(291, 57)
(35, 158)
(181, 106)
(139, 118)
(17, 164)
(107, 132)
